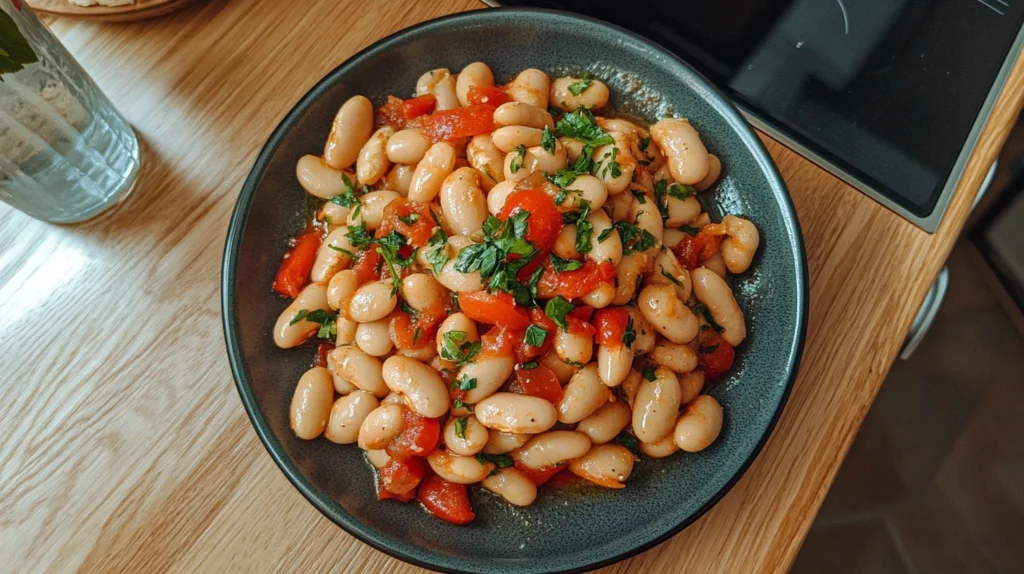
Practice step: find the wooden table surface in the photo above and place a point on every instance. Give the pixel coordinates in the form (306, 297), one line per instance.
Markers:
(125, 443)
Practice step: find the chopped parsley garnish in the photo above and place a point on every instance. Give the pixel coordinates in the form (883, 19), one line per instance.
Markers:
(557, 309)
(455, 301)
(494, 257)
(388, 247)
(680, 191)
(582, 163)
(499, 461)
(348, 198)
(689, 230)
(584, 230)
(649, 374)
(342, 250)
(706, 313)
(458, 404)
(577, 88)
(328, 325)
(358, 236)
(517, 162)
(576, 364)
(535, 336)
(456, 349)
(670, 277)
(629, 441)
(630, 334)
(460, 427)
(530, 365)
(561, 265)
(660, 190)
(643, 143)
(547, 140)
(437, 254)
(416, 335)
(640, 196)
(409, 219)
(581, 125)
(465, 383)
(634, 239)
(603, 167)
(562, 178)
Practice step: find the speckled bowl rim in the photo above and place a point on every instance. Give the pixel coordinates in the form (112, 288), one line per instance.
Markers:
(243, 204)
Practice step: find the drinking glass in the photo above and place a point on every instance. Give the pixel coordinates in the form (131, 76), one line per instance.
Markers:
(66, 154)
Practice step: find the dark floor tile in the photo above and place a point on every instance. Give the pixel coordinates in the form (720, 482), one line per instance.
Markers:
(850, 548)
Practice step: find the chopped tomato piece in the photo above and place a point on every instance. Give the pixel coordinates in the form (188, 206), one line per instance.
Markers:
(402, 330)
(297, 263)
(487, 95)
(714, 355)
(524, 352)
(494, 309)
(321, 353)
(576, 283)
(390, 114)
(447, 125)
(419, 435)
(385, 494)
(368, 267)
(545, 221)
(500, 340)
(611, 324)
(541, 476)
(694, 250)
(401, 476)
(413, 220)
(565, 479)
(448, 501)
(582, 312)
(577, 327)
(416, 107)
(539, 381)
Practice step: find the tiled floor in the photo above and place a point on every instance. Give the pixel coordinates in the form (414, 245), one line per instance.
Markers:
(934, 482)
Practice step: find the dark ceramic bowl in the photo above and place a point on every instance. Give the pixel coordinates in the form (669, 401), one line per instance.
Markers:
(568, 529)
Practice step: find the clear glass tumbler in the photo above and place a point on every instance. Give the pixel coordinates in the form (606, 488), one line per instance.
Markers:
(66, 154)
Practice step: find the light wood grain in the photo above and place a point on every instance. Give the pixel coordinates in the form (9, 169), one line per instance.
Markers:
(138, 10)
(126, 447)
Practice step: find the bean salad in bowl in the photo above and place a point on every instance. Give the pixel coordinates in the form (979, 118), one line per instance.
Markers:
(509, 287)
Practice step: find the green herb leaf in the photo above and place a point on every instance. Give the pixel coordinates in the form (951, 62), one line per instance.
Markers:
(706, 313)
(581, 125)
(584, 230)
(561, 265)
(605, 234)
(358, 236)
(643, 143)
(670, 277)
(640, 196)
(500, 461)
(437, 254)
(577, 88)
(608, 164)
(634, 239)
(630, 334)
(688, 230)
(456, 349)
(547, 140)
(460, 427)
(409, 219)
(342, 250)
(557, 309)
(388, 247)
(680, 191)
(458, 404)
(298, 317)
(535, 336)
(494, 257)
(517, 162)
(348, 198)
(629, 441)
(530, 365)
(660, 190)
(465, 383)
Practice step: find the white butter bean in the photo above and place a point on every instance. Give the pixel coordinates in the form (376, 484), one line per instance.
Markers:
(420, 387)
(351, 128)
(513, 486)
(699, 425)
(552, 448)
(606, 422)
(372, 302)
(437, 164)
(679, 141)
(584, 394)
(374, 338)
(288, 332)
(607, 465)
(656, 406)
(666, 313)
(462, 201)
(515, 413)
(311, 403)
(347, 415)
(373, 162)
(380, 426)
(407, 146)
(360, 369)
(713, 291)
